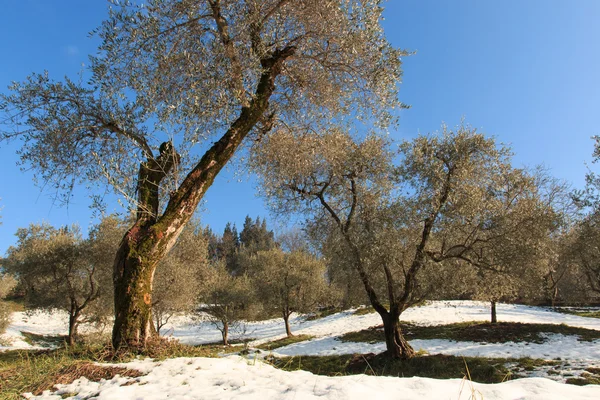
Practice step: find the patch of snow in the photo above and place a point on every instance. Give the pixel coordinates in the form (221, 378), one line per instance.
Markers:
(235, 378)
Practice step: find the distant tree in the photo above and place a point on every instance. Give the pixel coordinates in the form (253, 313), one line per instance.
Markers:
(103, 241)
(289, 282)
(52, 265)
(178, 276)
(175, 91)
(391, 223)
(7, 284)
(295, 239)
(176, 281)
(227, 299)
(228, 247)
(256, 235)
(585, 251)
(585, 244)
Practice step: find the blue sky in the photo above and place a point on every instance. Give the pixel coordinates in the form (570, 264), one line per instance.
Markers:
(527, 72)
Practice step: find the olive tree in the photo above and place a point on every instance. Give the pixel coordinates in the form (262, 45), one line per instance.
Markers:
(390, 223)
(176, 88)
(52, 266)
(7, 284)
(227, 299)
(289, 282)
(179, 274)
(516, 249)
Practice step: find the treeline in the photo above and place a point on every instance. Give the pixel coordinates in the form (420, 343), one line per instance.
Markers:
(443, 216)
(228, 277)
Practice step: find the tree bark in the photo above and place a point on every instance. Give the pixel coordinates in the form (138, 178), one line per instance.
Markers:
(494, 316)
(288, 330)
(554, 296)
(396, 345)
(225, 333)
(73, 322)
(152, 236)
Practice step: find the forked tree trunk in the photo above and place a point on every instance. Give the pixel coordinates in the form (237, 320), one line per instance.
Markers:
(225, 333)
(493, 309)
(395, 343)
(152, 236)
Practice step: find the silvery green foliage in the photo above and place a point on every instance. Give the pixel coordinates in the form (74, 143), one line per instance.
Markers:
(179, 275)
(182, 71)
(7, 284)
(450, 198)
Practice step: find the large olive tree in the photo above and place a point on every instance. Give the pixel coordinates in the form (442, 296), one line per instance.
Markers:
(176, 88)
(439, 205)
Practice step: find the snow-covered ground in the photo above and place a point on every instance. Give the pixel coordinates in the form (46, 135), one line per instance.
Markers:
(213, 379)
(237, 378)
(325, 330)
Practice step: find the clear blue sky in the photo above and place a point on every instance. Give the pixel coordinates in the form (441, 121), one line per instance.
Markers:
(527, 72)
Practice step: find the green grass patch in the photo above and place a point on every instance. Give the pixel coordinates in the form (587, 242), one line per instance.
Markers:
(326, 312)
(584, 379)
(482, 332)
(364, 310)
(49, 341)
(588, 314)
(480, 369)
(579, 311)
(284, 342)
(435, 366)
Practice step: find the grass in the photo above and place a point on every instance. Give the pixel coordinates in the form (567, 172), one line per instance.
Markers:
(364, 310)
(584, 379)
(579, 311)
(482, 332)
(480, 369)
(588, 314)
(436, 366)
(325, 312)
(49, 341)
(35, 371)
(284, 342)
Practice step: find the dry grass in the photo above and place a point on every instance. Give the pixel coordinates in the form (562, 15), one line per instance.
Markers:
(482, 332)
(285, 342)
(35, 371)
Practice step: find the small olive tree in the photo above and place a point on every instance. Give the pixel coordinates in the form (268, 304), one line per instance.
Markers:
(179, 276)
(52, 266)
(7, 284)
(289, 282)
(227, 299)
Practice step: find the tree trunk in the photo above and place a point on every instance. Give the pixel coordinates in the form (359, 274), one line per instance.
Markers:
(554, 296)
(152, 236)
(225, 333)
(396, 345)
(73, 317)
(494, 317)
(288, 330)
(133, 295)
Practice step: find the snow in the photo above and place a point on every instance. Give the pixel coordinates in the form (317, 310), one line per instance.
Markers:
(237, 378)
(556, 346)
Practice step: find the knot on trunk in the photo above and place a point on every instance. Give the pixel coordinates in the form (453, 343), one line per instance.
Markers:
(150, 176)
